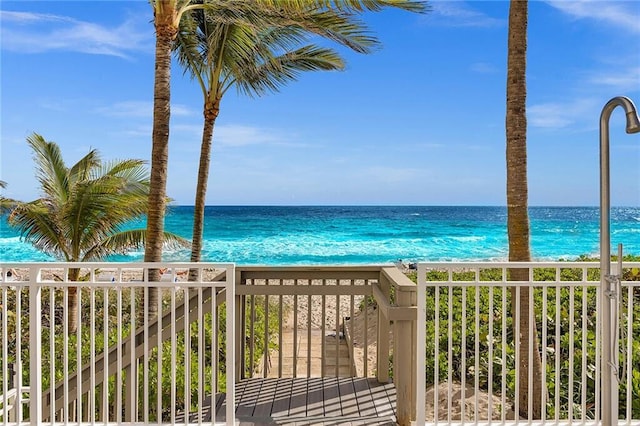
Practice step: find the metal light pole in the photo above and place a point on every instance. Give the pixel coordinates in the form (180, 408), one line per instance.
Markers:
(609, 283)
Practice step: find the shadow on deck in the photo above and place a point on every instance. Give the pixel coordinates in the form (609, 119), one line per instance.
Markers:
(307, 401)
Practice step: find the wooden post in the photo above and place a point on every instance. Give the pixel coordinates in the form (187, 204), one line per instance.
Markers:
(240, 327)
(404, 362)
(231, 357)
(414, 359)
(382, 357)
(404, 316)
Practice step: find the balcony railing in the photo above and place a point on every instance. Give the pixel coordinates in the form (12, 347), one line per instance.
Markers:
(470, 314)
(324, 332)
(113, 368)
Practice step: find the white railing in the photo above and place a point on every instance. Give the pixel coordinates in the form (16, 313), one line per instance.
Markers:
(126, 364)
(482, 374)
(164, 372)
(310, 308)
(10, 406)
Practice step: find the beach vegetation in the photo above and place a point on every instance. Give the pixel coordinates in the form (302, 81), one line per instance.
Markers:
(84, 209)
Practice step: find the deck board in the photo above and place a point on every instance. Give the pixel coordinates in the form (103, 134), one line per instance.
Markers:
(298, 399)
(265, 399)
(315, 397)
(248, 398)
(331, 405)
(282, 399)
(366, 406)
(326, 401)
(348, 402)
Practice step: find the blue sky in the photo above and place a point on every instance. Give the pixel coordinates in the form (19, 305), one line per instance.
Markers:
(420, 121)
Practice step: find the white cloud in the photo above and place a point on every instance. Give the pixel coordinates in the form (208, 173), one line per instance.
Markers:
(619, 14)
(560, 115)
(620, 80)
(36, 33)
(460, 14)
(26, 18)
(237, 135)
(140, 109)
(484, 68)
(182, 110)
(128, 109)
(137, 132)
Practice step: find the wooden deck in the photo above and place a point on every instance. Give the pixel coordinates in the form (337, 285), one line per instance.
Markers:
(309, 401)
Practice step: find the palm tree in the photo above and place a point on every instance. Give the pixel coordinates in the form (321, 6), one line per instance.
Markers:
(167, 17)
(6, 204)
(225, 51)
(83, 209)
(517, 203)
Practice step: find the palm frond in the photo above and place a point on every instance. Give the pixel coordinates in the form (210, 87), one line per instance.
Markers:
(123, 242)
(82, 206)
(339, 27)
(83, 168)
(51, 170)
(272, 75)
(38, 224)
(6, 204)
(418, 6)
(225, 42)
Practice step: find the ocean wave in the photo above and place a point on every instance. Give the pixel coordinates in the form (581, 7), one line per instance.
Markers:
(373, 235)
(10, 240)
(469, 239)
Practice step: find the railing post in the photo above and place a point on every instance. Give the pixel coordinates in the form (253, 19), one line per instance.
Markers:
(35, 349)
(11, 384)
(382, 357)
(130, 386)
(404, 355)
(239, 324)
(421, 350)
(232, 354)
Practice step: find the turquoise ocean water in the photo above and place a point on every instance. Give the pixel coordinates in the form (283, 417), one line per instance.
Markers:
(372, 235)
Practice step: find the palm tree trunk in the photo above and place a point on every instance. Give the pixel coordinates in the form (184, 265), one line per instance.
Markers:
(210, 115)
(517, 206)
(72, 301)
(165, 34)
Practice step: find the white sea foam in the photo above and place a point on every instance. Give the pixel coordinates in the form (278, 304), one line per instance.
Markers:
(350, 235)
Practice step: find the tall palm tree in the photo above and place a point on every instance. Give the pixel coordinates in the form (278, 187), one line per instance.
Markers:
(517, 204)
(83, 208)
(222, 50)
(167, 18)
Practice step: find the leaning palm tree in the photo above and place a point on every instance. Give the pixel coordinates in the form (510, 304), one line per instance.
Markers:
(83, 209)
(517, 206)
(167, 17)
(224, 50)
